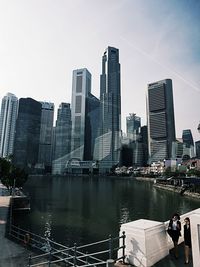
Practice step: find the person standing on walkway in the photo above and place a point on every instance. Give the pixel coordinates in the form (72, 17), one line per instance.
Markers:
(174, 230)
(187, 239)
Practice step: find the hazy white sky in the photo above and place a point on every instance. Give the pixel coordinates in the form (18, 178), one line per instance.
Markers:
(42, 41)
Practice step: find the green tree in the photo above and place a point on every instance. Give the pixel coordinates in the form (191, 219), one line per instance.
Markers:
(10, 175)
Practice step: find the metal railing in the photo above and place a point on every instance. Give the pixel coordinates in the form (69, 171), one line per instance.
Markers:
(93, 254)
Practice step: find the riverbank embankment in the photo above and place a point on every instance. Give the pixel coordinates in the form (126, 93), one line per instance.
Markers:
(177, 189)
(12, 254)
(172, 188)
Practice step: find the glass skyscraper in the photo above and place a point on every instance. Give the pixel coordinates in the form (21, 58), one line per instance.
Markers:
(9, 107)
(188, 142)
(133, 124)
(62, 139)
(108, 143)
(197, 145)
(160, 118)
(85, 116)
(46, 132)
(26, 145)
(187, 138)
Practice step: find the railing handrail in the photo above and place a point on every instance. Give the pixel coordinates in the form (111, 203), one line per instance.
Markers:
(70, 255)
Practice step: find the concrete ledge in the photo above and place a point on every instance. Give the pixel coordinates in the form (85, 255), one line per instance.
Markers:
(147, 242)
(12, 254)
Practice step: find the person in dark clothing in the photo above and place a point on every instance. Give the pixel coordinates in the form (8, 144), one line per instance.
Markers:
(187, 239)
(174, 230)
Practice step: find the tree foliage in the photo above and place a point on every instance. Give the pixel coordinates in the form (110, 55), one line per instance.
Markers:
(10, 175)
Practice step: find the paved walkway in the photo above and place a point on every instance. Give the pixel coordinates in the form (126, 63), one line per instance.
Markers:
(11, 254)
(170, 260)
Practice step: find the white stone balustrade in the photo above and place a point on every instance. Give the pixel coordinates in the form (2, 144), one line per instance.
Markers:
(147, 242)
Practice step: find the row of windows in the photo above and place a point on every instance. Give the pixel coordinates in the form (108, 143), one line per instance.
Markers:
(157, 98)
(158, 125)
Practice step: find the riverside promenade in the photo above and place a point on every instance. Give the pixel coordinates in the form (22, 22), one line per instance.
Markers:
(12, 254)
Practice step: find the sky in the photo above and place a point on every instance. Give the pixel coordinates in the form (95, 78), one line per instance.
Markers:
(43, 41)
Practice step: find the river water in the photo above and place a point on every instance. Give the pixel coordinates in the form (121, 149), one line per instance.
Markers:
(85, 209)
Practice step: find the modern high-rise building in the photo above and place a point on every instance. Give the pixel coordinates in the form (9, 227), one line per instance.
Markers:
(187, 138)
(9, 107)
(62, 138)
(85, 115)
(144, 140)
(197, 145)
(92, 125)
(27, 137)
(46, 132)
(108, 143)
(188, 143)
(133, 124)
(160, 118)
(177, 149)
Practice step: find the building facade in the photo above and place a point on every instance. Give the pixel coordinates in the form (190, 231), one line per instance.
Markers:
(85, 112)
(62, 138)
(160, 118)
(133, 124)
(108, 143)
(46, 135)
(188, 138)
(9, 108)
(197, 145)
(188, 142)
(27, 137)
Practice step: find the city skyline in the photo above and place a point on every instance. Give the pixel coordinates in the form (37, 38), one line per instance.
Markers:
(41, 48)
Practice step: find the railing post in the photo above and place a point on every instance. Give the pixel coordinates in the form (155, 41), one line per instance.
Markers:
(29, 260)
(75, 259)
(110, 263)
(18, 232)
(123, 246)
(110, 246)
(49, 259)
(86, 258)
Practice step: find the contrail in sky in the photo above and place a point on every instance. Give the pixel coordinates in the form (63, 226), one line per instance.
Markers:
(190, 83)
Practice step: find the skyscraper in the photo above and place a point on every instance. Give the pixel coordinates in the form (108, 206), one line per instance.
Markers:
(8, 118)
(46, 132)
(197, 145)
(187, 138)
(160, 116)
(85, 109)
(62, 138)
(188, 143)
(26, 145)
(133, 124)
(110, 108)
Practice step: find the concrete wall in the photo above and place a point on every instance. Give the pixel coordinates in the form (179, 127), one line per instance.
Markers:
(195, 232)
(147, 242)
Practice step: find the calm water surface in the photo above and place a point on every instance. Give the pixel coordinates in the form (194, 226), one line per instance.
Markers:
(84, 209)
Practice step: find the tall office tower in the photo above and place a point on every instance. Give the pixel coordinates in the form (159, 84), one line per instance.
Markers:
(85, 108)
(188, 143)
(46, 132)
(8, 118)
(62, 139)
(177, 149)
(26, 145)
(92, 125)
(133, 123)
(187, 138)
(144, 140)
(161, 125)
(197, 145)
(110, 109)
